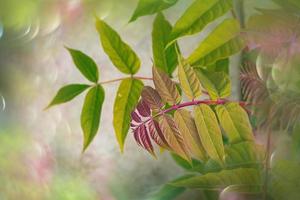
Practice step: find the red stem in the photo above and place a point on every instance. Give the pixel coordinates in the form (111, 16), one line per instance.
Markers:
(191, 103)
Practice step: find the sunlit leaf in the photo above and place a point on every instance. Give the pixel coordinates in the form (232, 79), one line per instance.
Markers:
(120, 53)
(149, 7)
(194, 166)
(67, 93)
(221, 180)
(85, 64)
(126, 99)
(198, 15)
(188, 129)
(235, 122)
(165, 87)
(152, 98)
(221, 43)
(190, 84)
(244, 154)
(165, 59)
(91, 112)
(173, 136)
(210, 133)
(217, 84)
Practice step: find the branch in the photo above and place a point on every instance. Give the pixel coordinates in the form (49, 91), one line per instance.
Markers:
(190, 103)
(120, 79)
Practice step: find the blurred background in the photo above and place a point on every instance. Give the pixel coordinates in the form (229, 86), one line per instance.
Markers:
(40, 151)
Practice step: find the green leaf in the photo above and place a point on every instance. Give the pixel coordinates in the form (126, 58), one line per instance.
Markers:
(149, 7)
(217, 84)
(210, 133)
(186, 125)
(220, 180)
(165, 87)
(198, 15)
(120, 53)
(91, 112)
(173, 136)
(85, 64)
(244, 154)
(235, 122)
(168, 192)
(221, 43)
(194, 166)
(67, 93)
(127, 98)
(190, 84)
(165, 59)
(219, 66)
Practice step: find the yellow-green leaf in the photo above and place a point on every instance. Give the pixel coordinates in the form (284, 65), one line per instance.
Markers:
(85, 64)
(189, 82)
(67, 93)
(217, 84)
(235, 122)
(188, 129)
(221, 43)
(173, 136)
(244, 154)
(165, 87)
(220, 180)
(91, 112)
(120, 53)
(149, 7)
(198, 15)
(127, 97)
(165, 59)
(209, 132)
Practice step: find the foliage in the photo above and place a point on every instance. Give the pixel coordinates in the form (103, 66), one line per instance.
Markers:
(207, 134)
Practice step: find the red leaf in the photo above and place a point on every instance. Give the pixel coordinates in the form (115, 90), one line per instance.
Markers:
(143, 109)
(157, 135)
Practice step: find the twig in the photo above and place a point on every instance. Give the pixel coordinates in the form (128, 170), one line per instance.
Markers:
(120, 79)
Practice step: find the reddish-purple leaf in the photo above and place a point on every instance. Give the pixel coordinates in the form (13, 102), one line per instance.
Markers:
(145, 139)
(135, 117)
(157, 135)
(136, 134)
(152, 98)
(143, 109)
